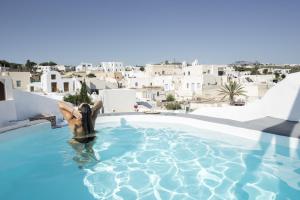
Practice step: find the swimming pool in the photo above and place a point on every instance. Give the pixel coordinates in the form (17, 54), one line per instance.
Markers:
(144, 160)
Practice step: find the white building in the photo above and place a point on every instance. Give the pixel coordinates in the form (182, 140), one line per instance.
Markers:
(63, 68)
(192, 80)
(53, 82)
(41, 68)
(85, 67)
(164, 68)
(3, 69)
(20, 80)
(112, 66)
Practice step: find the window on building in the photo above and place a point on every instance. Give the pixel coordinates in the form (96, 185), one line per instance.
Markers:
(198, 85)
(53, 76)
(189, 73)
(163, 72)
(187, 85)
(18, 83)
(136, 84)
(31, 89)
(157, 94)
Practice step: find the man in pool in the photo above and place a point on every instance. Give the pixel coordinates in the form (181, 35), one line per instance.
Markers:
(81, 121)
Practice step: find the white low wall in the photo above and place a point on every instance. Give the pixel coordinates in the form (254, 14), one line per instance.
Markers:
(7, 112)
(29, 104)
(118, 100)
(283, 100)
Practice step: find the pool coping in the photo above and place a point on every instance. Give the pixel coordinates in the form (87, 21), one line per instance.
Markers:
(22, 124)
(266, 124)
(251, 129)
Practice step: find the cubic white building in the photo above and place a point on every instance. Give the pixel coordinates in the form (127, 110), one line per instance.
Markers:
(53, 82)
(41, 68)
(112, 66)
(85, 67)
(191, 81)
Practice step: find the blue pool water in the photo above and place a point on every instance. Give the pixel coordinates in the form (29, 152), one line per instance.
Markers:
(144, 161)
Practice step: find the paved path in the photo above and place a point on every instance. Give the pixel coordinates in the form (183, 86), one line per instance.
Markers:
(266, 124)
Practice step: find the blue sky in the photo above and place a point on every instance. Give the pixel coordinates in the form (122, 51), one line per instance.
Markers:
(149, 31)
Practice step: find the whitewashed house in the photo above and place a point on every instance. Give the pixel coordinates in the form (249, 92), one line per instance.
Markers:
(20, 80)
(112, 66)
(137, 80)
(53, 82)
(41, 68)
(164, 68)
(192, 80)
(85, 67)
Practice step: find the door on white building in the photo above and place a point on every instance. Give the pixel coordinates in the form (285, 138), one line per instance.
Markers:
(193, 87)
(2, 91)
(54, 87)
(66, 87)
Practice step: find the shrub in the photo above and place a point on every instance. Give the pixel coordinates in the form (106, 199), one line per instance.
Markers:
(170, 97)
(173, 106)
(72, 99)
(82, 97)
(91, 75)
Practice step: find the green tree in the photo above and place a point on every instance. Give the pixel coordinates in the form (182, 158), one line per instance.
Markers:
(91, 75)
(277, 75)
(170, 97)
(173, 106)
(142, 68)
(50, 63)
(231, 90)
(82, 97)
(83, 94)
(29, 64)
(295, 69)
(254, 71)
(265, 71)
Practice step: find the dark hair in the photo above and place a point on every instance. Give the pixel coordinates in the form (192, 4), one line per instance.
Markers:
(86, 120)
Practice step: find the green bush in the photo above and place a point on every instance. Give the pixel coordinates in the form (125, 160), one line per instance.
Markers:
(91, 75)
(170, 97)
(82, 97)
(72, 99)
(173, 106)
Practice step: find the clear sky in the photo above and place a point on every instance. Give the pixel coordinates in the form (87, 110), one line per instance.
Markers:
(149, 31)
